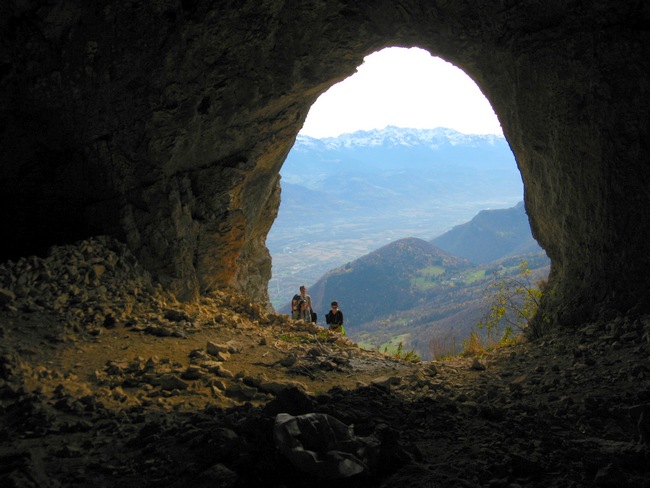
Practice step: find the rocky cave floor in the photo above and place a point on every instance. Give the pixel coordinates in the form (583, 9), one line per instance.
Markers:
(106, 381)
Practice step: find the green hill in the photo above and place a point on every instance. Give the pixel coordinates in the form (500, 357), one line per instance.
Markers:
(445, 313)
(415, 293)
(491, 235)
(385, 281)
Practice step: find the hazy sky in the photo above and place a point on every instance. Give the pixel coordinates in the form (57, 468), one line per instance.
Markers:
(405, 88)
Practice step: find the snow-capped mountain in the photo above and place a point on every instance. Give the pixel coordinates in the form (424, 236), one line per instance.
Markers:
(396, 136)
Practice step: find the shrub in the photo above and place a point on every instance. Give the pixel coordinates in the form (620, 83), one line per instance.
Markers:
(444, 346)
(513, 301)
(410, 356)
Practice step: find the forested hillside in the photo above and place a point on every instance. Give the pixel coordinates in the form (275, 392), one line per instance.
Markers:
(383, 282)
(491, 235)
(414, 293)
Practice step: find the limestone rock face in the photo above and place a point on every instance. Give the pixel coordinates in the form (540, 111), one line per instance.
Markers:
(165, 124)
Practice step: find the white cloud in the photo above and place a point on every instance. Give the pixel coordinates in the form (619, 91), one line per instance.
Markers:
(404, 88)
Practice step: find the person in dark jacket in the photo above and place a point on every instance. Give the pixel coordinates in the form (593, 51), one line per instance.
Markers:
(334, 319)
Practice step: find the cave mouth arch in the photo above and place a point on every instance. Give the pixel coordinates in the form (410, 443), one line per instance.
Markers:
(308, 238)
(393, 88)
(175, 121)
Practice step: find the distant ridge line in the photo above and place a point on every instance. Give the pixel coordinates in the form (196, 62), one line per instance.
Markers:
(397, 136)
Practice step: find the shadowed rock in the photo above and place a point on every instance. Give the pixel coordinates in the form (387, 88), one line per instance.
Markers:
(165, 126)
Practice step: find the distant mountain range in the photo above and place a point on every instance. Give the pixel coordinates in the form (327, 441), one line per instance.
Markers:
(346, 196)
(414, 292)
(400, 165)
(396, 137)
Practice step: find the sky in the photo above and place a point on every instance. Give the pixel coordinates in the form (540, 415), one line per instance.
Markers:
(405, 88)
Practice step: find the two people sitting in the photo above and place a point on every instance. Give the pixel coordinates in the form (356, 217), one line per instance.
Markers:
(301, 309)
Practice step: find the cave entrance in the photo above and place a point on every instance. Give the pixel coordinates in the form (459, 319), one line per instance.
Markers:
(407, 147)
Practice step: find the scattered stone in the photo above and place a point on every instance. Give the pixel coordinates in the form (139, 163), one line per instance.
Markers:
(477, 365)
(199, 354)
(109, 322)
(213, 367)
(218, 476)
(214, 349)
(222, 356)
(6, 296)
(288, 361)
(193, 373)
(386, 382)
(432, 369)
(314, 352)
(158, 331)
(275, 387)
(220, 385)
(224, 373)
(323, 446)
(118, 394)
(172, 382)
(518, 383)
(176, 316)
(241, 390)
(343, 342)
(117, 367)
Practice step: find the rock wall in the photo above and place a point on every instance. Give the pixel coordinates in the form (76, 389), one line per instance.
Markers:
(164, 124)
